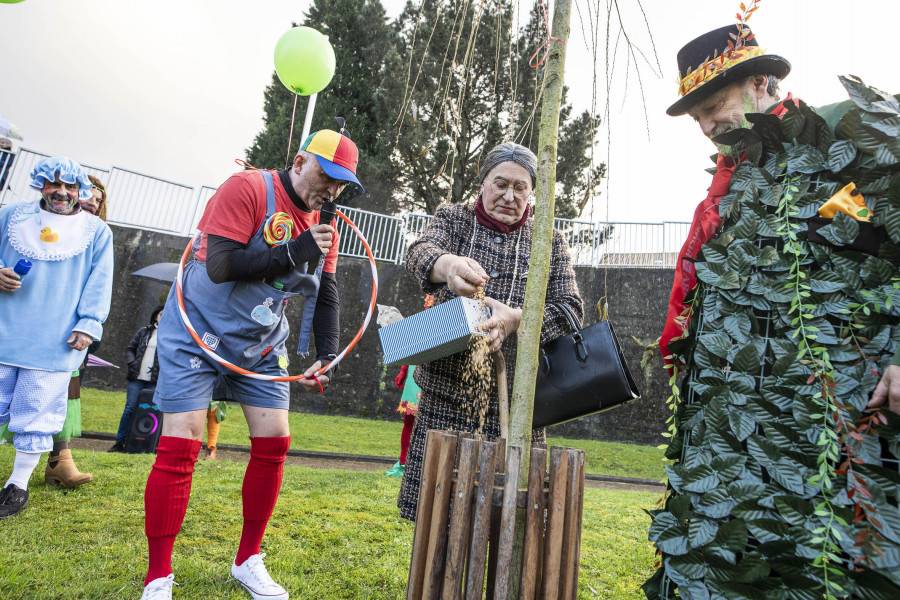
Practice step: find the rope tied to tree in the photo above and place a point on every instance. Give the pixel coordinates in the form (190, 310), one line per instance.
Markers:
(546, 44)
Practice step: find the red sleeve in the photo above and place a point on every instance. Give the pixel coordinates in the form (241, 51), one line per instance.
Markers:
(330, 265)
(400, 380)
(237, 208)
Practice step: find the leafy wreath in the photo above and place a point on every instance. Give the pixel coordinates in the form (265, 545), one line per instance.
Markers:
(783, 485)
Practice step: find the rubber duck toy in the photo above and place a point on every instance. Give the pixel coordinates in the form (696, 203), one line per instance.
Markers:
(48, 236)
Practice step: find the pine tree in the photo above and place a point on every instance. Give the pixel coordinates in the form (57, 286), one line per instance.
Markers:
(426, 97)
(474, 78)
(454, 97)
(365, 54)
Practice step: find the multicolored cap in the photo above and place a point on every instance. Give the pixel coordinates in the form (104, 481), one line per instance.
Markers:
(336, 153)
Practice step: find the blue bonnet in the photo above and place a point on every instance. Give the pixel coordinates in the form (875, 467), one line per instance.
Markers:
(69, 172)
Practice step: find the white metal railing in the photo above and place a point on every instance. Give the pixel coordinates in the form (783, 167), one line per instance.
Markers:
(7, 159)
(142, 201)
(384, 234)
(206, 192)
(150, 202)
(17, 190)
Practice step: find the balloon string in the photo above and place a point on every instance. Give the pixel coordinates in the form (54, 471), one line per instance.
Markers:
(287, 159)
(243, 163)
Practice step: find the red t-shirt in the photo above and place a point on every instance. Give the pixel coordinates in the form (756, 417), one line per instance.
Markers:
(237, 210)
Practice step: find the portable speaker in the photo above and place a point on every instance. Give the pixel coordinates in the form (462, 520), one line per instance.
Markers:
(146, 425)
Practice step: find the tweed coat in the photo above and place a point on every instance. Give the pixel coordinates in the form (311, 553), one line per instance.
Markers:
(505, 257)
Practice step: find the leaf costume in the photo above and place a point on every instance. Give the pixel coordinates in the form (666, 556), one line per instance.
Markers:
(782, 485)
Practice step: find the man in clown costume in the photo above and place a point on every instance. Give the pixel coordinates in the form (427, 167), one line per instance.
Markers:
(260, 231)
(49, 316)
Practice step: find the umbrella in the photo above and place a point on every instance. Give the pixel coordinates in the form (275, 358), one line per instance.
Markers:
(9, 130)
(162, 272)
(93, 361)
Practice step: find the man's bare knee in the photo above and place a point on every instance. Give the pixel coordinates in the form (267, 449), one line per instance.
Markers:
(189, 425)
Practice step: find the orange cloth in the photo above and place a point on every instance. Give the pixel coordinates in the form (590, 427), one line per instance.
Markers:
(848, 201)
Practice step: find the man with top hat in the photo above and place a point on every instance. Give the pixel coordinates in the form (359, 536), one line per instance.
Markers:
(260, 231)
(717, 94)
(778, 463)
(56, 272)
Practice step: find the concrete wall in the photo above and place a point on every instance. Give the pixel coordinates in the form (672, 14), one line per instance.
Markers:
(364, 386)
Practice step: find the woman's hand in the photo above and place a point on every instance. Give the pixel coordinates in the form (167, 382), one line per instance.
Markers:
(462, 274)
(504, 321)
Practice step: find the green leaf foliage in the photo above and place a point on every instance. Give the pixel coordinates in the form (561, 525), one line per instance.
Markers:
(788, 340)
(841, 231)
(841, 154)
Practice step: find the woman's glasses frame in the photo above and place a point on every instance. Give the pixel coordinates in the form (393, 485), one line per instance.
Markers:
(520, 190)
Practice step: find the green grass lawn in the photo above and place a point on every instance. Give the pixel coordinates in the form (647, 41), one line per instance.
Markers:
(334, 535)
(101, 411)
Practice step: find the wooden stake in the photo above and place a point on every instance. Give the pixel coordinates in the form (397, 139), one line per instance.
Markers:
(503, 393)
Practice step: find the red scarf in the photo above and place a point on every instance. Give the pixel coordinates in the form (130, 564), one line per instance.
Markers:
(703, 227)
(493, 224)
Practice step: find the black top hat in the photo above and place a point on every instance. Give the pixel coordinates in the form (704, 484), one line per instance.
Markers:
(706, 65)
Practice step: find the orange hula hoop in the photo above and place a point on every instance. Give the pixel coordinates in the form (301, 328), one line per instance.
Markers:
(179, 293)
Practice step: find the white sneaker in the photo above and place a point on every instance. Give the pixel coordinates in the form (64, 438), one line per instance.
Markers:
(160, 588)
(252, 575)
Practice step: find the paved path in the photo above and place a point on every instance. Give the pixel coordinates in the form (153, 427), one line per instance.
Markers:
(101, 442)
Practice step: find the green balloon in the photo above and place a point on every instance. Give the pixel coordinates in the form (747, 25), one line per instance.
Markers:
(11, 1)
(304, 61)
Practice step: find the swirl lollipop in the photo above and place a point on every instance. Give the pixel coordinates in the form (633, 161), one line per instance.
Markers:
(278, 228)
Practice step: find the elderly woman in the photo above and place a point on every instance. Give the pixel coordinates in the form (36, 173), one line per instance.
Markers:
(486, 245)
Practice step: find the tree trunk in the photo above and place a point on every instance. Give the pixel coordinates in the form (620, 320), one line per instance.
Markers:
(529, 333)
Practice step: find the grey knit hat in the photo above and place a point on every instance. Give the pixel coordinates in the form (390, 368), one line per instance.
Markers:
(509, 152)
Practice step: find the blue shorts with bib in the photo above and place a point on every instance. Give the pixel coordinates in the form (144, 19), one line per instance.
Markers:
(242, 321)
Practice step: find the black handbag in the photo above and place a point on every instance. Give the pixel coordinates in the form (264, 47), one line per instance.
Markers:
(581, 374)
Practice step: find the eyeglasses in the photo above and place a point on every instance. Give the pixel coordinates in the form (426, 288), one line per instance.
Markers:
(500, 185)
(98, 187)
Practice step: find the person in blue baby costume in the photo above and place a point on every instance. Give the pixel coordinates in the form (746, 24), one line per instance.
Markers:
(50, 316)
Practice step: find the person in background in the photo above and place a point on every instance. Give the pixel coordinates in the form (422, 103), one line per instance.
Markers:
(143, 370)
(7, 158)
(50, 316)
(215, 414)
(409, 405)
(61, 468)
(96, 204)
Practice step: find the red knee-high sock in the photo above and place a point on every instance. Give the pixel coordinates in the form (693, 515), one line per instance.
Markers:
(406, 435)
(166, 499)
(262, 482)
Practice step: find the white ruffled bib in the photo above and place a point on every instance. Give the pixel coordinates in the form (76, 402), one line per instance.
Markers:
(42, 235)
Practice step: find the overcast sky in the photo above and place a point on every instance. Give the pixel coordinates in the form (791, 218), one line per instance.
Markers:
(174, 88)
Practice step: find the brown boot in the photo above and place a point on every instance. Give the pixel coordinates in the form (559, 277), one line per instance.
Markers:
(61, 470)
